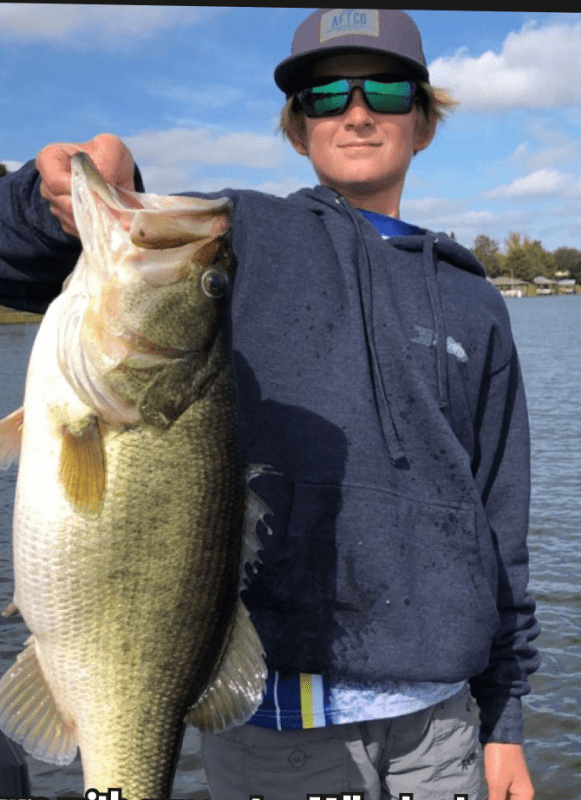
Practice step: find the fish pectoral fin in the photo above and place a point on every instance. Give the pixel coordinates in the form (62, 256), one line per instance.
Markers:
(29, 713)
(255, 512)
(11, 437)
(82, 466)
(10, 610)
(237, 688)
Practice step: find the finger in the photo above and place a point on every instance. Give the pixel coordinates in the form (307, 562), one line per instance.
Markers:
(61, 207)
(113, 159)
(108, 153)
(67, 222)
(54, 165)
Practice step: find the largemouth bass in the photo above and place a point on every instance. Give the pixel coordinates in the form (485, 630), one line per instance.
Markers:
(130, 499)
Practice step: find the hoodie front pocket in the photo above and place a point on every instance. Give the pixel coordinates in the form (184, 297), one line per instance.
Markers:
(414, 599)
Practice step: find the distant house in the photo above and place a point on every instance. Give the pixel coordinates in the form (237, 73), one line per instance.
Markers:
(566, 286)
(544, 285)
(510, 287)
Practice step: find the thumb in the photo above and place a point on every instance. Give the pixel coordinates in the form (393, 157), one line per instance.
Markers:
(112, 158)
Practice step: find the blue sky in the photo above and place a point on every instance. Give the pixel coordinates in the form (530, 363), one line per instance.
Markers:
(190, 89)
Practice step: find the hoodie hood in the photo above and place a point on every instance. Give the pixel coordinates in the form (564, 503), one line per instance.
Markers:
(444, 248)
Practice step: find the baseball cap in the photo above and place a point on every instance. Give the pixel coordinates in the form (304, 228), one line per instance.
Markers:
(368, 30)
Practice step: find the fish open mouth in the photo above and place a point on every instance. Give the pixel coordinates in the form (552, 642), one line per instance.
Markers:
(150, 221)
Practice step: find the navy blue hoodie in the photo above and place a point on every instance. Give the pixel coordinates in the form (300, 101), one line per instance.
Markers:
(380, 379)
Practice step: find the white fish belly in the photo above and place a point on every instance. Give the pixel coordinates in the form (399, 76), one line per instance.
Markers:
(111, 599)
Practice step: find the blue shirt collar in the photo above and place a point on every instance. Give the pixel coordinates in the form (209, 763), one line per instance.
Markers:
(390, 226)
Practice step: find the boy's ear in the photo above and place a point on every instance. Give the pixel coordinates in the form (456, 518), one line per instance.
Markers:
(297, 136)
(424, 132)
(299, 146)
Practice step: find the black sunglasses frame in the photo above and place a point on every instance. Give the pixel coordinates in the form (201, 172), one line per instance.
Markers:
(300, 97)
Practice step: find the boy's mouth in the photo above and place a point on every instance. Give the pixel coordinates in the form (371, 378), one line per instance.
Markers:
(360, 144)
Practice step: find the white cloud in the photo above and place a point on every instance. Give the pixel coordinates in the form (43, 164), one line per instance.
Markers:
(441, 214)
(535, 69)
(541, 183)
(165, 180)
(205, 146)
(213, 95)
(283, 187)
(87, 26)
(429, 208)
(563, 152)
(11, 166)
(175, 180)
(574, 190)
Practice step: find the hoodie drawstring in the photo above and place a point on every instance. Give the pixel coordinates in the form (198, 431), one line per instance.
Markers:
(365, 279)
(394, 446)
(429, 262)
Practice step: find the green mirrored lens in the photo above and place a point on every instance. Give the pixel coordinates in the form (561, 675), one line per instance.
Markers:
(330, 97)
(389, 98)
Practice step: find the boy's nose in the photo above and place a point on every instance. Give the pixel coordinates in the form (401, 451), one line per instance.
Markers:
(357, 108)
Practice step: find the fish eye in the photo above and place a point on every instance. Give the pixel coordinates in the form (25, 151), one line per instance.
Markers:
(214, 283)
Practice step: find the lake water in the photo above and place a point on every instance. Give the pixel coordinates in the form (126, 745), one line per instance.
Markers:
(547, 331)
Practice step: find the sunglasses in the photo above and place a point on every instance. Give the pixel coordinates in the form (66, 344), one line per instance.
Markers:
(385, 94)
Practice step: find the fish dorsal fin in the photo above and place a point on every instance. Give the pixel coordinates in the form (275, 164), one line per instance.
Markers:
(11, 437)
(29, 713)
(82, 466)
(237, 688)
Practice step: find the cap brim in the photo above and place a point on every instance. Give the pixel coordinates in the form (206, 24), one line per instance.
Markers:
(294, 73)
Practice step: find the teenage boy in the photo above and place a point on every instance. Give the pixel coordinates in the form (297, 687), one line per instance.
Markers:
(377, 373)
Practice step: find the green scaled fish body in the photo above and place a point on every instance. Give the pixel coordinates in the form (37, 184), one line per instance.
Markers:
(130, 500)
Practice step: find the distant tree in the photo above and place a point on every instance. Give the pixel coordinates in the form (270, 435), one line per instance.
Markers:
(517, 265)
(526, 259)
(501, 265)
(452, 235)
(3, 170)
(486, 251)
(568, 259)
(542, 261)
(512, 242)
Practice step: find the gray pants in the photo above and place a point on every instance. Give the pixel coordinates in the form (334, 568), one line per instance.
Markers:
(432, 754)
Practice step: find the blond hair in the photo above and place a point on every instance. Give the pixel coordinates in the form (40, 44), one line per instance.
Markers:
(434, 103)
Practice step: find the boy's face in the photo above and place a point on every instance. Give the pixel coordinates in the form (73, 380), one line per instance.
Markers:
(363, 154)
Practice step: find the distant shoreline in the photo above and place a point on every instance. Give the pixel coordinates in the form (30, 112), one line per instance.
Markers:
(12, 316)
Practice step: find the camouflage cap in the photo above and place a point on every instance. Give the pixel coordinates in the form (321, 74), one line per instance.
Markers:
(326, 32)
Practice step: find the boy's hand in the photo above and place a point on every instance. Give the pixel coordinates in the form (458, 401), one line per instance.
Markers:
(506, 773)
(111, 157)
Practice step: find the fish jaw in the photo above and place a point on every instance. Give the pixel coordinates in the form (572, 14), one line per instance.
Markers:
(146, 307)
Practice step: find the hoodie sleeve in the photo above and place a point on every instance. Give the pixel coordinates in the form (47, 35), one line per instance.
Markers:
(36, 255)
(502, 472)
